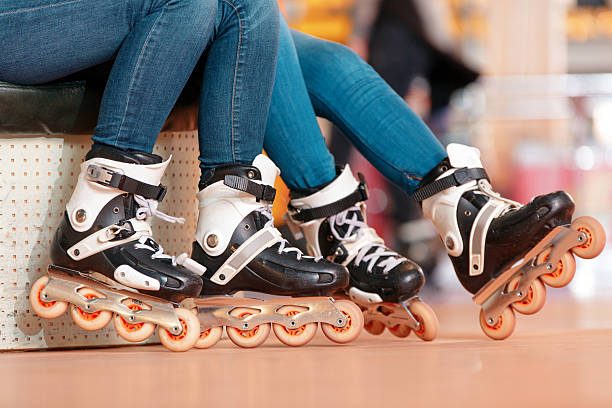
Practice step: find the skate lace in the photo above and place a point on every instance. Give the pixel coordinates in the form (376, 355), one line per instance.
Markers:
(150, 244)
(485, 188)
(285, 246)
(382, 256)
(147, 209)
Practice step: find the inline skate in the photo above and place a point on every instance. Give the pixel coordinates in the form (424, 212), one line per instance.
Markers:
(332, 219)
(504, 252)
(107, 265)
(237, 250)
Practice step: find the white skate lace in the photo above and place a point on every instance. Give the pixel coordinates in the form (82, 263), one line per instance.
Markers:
(382, 256)
(485, 188)
(284, 247)
(143, 243)
(148, 208)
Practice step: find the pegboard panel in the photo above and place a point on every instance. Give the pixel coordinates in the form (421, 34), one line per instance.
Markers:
(37, 177)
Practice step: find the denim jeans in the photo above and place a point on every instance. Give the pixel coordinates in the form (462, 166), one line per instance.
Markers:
(318, 77)
(156, 45)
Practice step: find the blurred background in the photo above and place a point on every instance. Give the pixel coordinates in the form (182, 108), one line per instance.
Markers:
(529, 82)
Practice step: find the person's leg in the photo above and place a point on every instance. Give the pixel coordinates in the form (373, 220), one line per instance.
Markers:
(237, 82)
(328, 209)
(156, 43)
(346, 90)
(293, 139)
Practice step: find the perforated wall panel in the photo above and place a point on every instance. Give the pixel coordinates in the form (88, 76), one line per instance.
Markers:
(37, 176)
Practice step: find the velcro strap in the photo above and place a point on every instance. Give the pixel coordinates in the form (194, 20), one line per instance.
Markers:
(111, 178)
(459, 177)
(309, 214)
(261, 192)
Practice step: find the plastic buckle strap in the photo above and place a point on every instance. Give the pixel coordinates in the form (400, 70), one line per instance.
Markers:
(261, 192)
(309, 214)
(458, 178)
(118, 180)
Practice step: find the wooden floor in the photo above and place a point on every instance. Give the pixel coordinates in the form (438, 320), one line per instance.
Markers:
(561, 357)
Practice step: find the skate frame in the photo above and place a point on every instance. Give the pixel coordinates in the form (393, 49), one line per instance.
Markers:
(215, 311)
(64, 284)
(401, 313)
(493, 297)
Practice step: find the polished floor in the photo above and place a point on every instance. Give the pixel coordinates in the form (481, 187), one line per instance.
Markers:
(561, 357)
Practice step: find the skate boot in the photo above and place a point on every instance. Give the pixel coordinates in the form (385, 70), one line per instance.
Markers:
(238, 250)
(502, 251)
(106, 263)
(332, 218)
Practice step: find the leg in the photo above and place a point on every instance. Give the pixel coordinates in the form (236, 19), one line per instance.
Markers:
(238, 80)
(156, 43)
(346, 90)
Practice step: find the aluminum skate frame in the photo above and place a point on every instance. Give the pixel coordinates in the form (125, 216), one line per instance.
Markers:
(493, 297)
(215, 311)
(64, 283)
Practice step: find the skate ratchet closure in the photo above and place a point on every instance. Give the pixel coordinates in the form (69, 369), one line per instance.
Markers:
(294, 320)
(521, 287)
(93, 304)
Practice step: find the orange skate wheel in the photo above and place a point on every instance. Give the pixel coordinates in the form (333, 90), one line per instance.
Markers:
(90, 321)
(374, 327)
(47, 310)
(133, 332)
(354, 323)
(563, 273)
(187, 338)
(209, 337)
(294, 337)
(427, 319)
(504, 326)
(534, 300)
(247, 338)
(400, 330)
(596, 237)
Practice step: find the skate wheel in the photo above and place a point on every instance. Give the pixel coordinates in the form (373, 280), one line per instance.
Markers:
(294, 337)
(209, 337)
(187, 338)
(533, 301)
(427, 319)
(374, 327)
(596, 237)
(133, 332)
(504, 327)
(247, 338)
(47, 310)
(353, 326)
(400, 330)
(563, 273)
(90, 321)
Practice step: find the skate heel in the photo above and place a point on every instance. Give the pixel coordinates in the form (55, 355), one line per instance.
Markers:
(293, 320)
(521, 287)
(94, 303)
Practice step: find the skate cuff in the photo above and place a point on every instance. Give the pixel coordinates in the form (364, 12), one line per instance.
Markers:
(261, 192)
(458, 178)
(110, 178)
(309, 214)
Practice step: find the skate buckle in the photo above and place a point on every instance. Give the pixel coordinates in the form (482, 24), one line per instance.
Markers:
(100, 174)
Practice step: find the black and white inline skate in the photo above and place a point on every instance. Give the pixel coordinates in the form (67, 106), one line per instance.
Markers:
(504, 252)
(332, 219)
(107, 265)
(237, 250)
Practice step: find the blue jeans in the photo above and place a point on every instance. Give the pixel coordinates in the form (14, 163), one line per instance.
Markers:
(156, 45)
(318, 77)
